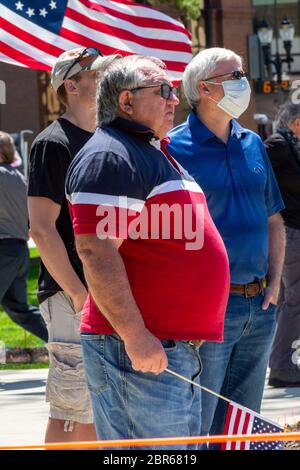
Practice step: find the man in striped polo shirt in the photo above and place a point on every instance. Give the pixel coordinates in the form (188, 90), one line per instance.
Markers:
(156, 267)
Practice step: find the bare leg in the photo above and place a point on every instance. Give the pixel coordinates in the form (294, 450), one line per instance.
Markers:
(81, 432)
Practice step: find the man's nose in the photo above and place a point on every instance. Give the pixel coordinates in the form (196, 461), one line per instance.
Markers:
(173, 99)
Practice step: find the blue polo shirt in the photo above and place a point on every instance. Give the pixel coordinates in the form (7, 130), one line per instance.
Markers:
(240, 188)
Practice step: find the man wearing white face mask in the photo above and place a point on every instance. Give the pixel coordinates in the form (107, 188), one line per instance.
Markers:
(230, 164)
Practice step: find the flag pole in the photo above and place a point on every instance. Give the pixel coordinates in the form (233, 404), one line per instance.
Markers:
(196, 385)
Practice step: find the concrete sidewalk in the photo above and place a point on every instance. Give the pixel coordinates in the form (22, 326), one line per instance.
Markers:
(23, 411)
(282, 405)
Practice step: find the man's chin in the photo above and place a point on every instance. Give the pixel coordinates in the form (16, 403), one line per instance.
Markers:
(166, 130)
(171, 123)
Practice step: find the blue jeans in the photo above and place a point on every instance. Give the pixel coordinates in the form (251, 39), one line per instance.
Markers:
(129, 404)
(237, 367)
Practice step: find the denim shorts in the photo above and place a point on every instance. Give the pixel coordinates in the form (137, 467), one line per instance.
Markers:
(66, 389)
(128, 404)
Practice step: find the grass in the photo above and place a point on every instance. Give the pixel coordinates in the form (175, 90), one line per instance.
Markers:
(10, 333)
(24, 365)
(34, 252)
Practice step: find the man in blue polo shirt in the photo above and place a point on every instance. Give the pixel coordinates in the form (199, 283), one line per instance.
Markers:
(231, 165)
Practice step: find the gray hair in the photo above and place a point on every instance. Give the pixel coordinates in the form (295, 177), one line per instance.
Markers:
(122, 74)
(203, 66)
(287, 114)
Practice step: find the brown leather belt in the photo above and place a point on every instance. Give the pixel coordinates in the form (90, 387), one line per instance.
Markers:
(248, 290)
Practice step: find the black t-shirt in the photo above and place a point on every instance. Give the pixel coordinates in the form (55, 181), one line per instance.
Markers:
(51, 154)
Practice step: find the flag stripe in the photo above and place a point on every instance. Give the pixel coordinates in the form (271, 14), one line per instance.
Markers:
(115, 43)
(244, 429)
(228, 418)
(9, 60)
(227, 424)
(236, 422)
(236, 426)
(230, 424)
(140, 18)
(246, 423)
(137, 9)
(248, 431)
(29, 50)
(125, 34)
(21, 57)
(30, 38)
(147, 31)
(240, 425)
(85, 41)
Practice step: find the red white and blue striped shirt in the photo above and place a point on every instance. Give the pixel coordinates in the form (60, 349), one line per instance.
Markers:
(121, 185)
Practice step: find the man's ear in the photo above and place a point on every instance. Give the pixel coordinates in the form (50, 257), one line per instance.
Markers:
(297, 123)
(71, 86)
(125, 102)
(202, 88)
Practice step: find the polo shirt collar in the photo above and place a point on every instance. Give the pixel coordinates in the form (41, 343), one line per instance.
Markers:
(237, 129)
(199, 131)
(133, 127)
(202, 134)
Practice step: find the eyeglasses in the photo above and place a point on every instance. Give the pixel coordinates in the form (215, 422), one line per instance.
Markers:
(84, 58)
(166, 90)
(235, 75)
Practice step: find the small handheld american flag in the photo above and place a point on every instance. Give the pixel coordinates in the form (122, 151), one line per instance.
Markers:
(241, 420)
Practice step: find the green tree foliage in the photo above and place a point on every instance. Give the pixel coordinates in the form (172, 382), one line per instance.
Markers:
(189, 8)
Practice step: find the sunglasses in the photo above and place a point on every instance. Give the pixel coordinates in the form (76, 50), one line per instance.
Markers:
(84, 59)
(235, 75)
(166, 90)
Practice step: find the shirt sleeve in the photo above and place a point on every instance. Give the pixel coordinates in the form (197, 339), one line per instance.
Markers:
(274, 202)
(278, 151)
(105, 194)
(48, 165)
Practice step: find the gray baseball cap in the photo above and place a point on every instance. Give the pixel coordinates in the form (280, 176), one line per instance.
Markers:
(67, 66)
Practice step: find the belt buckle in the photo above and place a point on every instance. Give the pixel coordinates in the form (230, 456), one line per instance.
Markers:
(262, 284)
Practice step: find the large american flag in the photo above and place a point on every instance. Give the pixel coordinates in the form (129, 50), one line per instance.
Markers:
(34, 32)
(241, 420)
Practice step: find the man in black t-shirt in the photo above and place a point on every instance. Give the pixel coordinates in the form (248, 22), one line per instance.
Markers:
(62, 288)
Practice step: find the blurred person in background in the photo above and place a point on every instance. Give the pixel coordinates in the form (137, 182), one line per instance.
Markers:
(14, 253)
(283, 148)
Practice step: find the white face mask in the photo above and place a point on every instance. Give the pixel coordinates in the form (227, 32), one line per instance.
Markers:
(237, 95)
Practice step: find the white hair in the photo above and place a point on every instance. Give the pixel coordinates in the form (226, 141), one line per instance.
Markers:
(203, 66)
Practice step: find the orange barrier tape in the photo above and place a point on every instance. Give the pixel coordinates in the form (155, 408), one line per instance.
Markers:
(289, 436)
